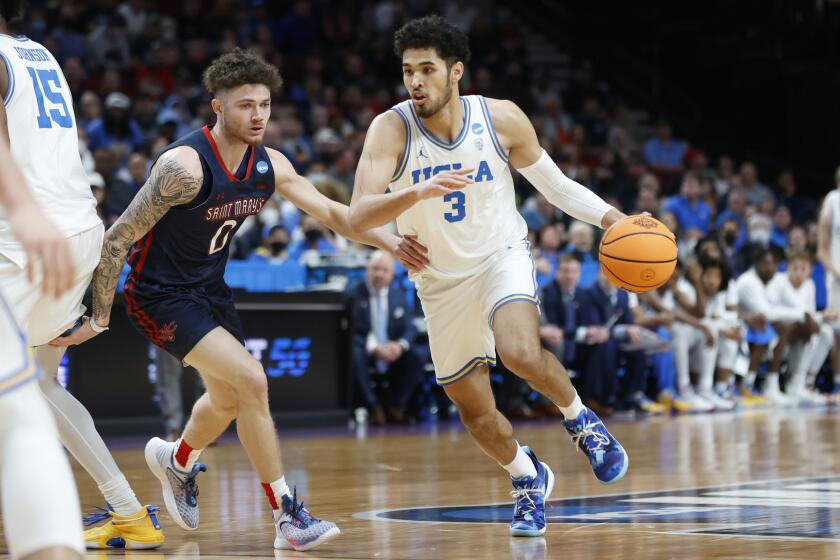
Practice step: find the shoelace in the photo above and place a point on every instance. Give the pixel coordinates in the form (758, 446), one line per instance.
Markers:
(97, 517)
(524, 500)
(298, 512)
(589, 431)
(189, 484)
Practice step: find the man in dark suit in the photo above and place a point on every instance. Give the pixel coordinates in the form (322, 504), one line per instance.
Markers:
(382, 341)
(560, 301)
(605, 320)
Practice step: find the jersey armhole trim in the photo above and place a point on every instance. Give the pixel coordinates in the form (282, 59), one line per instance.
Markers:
(406, 146)
(10, 87)
(493, 137)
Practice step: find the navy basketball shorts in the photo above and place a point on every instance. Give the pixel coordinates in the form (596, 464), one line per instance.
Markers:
(176, 318)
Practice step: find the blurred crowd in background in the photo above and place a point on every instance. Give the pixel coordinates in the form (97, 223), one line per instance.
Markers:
(703, 342)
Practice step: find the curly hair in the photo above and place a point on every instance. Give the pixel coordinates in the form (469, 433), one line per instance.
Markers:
(11, 9)
(240, 67)
(434, 32)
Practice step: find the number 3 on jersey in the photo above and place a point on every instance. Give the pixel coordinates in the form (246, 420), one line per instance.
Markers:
(220, 238)
(459, 208)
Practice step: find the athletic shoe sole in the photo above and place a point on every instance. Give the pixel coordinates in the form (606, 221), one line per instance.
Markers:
(282, 544)
(621, 474)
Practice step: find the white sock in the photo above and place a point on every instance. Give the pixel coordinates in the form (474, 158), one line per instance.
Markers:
(721, 387)
(275, 491)
(280, 488)
(522, 465)
(749, 380)
(573, 409)
(837, 379)
(120, 496)
(79, 436)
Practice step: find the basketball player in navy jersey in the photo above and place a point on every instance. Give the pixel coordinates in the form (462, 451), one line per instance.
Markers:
(178, 228)
(446, 161)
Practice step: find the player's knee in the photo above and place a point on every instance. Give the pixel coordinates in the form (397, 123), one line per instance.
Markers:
(253, 385)
(526, 361)
(477, 419)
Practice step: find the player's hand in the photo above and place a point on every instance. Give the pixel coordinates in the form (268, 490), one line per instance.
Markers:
(45, 247)
(411, 253)
(611, 218)
(830, 315)
(80, 334)
(446, 183)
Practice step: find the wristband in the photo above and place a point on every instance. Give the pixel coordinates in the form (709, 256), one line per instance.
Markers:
(96, 328)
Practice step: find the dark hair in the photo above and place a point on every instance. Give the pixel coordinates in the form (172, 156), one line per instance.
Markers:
(707, 262)
(433, 32)
(238, 68)
(708, 238)
(760, 252)
(11, 9)
(569, 257)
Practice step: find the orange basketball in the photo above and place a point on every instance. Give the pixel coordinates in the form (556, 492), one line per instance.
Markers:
(638, 253)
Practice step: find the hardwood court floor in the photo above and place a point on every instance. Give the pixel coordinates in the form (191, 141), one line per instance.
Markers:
(792, 509)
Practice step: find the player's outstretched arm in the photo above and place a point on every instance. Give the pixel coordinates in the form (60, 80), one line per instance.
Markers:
(336, 216)
(371, 206)
(527, 156)
(175, 179)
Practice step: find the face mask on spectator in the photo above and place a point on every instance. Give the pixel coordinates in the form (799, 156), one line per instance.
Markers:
(730, 238)
(278, 247)
(313, 235)
(760, 236)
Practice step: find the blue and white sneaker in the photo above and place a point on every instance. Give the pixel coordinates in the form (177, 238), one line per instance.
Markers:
(297, 529)
(531, 495)
(608, 459)
(180, 491)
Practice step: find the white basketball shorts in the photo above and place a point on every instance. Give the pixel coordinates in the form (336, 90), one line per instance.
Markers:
(43, 318)
(460, 312)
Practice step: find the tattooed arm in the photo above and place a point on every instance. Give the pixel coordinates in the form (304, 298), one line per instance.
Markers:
(175, 179)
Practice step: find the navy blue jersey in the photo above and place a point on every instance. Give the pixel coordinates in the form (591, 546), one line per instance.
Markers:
(189, 246)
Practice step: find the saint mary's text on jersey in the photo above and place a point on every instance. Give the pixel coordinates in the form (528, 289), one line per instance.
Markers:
(234, 209)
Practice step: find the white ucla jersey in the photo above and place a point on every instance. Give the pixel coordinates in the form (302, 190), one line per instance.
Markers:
(831, 205)
(463, 229)
(44, 141)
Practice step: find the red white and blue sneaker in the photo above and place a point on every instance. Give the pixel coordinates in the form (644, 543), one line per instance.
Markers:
(180, 490)
(530, 495)
(608, 459)
(297, 529)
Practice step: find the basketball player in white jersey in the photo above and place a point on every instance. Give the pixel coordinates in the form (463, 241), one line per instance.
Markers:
(40, 503)
(40, 123)
(828, 251)
(446, 160)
